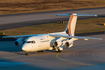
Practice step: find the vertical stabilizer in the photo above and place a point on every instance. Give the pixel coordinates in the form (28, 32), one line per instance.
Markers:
(70, 28)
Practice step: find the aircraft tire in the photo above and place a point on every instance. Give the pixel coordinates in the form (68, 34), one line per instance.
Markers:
(58, 50)
(26, 53)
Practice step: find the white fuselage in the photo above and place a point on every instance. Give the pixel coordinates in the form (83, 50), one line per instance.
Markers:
(43, 42)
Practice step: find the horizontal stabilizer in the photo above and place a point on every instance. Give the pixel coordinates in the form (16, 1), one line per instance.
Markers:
(74, 14)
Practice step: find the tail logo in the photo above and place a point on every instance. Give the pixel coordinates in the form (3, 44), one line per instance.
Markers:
(69, 28)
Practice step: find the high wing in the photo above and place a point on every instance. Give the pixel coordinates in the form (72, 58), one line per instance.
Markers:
(78, 37)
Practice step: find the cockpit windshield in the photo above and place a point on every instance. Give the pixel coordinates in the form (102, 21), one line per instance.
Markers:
(29, 42)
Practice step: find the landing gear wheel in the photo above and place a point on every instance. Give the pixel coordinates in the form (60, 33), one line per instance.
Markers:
(59, 50)
(53, 47)
(26, 53)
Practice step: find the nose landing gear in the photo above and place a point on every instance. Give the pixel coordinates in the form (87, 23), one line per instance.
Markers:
(26, 53)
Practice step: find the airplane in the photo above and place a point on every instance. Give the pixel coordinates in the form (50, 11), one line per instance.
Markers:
(51, 41)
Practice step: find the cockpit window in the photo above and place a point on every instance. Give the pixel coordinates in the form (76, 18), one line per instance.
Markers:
(29, 42)
(33, 41)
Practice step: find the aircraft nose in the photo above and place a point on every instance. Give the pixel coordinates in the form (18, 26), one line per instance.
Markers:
(26, 47)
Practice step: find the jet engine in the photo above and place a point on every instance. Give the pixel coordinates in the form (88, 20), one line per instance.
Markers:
(57, 44)
(69, 44)
(19, 42)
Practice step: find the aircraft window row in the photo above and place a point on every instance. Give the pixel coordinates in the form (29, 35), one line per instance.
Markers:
(29, 42)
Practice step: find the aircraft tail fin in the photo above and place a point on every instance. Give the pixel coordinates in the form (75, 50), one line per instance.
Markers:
(70, 28)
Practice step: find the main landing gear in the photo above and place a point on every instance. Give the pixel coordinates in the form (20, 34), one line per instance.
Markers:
(58, 49)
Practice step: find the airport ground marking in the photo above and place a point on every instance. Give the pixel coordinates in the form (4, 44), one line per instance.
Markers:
(46, 60)
(32, 59)
(72, 61)
(37, 60)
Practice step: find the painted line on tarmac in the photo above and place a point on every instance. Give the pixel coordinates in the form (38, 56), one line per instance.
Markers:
(48, 61)
(57, 55)
(38, 60)
(35, 59)
(71, 61)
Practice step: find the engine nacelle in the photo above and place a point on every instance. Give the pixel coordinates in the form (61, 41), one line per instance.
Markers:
(57, 44)
(19, 42)
(69, 44)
